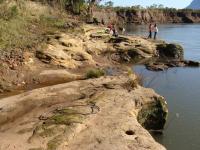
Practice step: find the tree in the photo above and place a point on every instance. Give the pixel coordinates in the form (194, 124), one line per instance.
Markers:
(91, 4)
(161, 6)
(109, 4)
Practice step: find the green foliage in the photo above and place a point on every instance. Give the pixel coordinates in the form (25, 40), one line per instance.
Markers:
(154, 7)
(153, 116)
(109, 4)
(8, 13)
(1, 1)
(95, 73)
(13, 33)
(52, 21)
(76, 6)
(22, 26)
(54, 143)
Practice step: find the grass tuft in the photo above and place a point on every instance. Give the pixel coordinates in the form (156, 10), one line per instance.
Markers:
(95, 73)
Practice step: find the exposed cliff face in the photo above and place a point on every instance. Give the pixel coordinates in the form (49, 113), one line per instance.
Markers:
(146, 16)
(195, 4)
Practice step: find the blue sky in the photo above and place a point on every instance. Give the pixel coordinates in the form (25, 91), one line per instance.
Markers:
(167, 3)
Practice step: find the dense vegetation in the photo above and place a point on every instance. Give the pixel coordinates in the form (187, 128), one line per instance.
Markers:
(24, 23)
(154, 7)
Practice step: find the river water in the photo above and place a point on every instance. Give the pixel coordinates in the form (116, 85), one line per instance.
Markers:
(180, 87)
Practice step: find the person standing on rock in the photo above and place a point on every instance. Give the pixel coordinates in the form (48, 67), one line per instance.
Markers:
(150, 31)
(115, 33)
(155, 31)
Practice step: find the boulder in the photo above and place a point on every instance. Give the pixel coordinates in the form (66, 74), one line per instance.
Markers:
(171, 51)
(191, 63)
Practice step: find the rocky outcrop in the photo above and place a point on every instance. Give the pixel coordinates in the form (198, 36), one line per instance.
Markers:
(66, 51)
(164, 65)
(133, 48)
(153, 116)
(170, 51)
(74, 52)
(56, 61)
(105, 110)
(113, 110)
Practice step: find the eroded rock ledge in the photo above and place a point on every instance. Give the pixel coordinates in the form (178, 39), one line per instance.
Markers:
(81, 115)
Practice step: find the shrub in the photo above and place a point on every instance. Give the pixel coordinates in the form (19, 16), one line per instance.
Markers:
(140, 79)
(95, 73)
(8, 13)
(52, 21)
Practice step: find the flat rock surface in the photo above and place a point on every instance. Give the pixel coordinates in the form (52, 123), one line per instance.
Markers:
(80, 115)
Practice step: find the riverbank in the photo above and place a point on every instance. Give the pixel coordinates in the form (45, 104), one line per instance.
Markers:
(50, 99)
(63, 60)
(47, 117)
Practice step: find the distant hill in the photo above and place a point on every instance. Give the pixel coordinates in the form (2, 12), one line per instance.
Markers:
(195, 4)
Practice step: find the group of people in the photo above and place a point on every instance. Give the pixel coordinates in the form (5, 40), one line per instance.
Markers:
(112, 30)
(153, 28)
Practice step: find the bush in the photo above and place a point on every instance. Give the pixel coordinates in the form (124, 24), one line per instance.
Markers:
(8, 13)
(140, 79)
(52, 21)
(95, 73)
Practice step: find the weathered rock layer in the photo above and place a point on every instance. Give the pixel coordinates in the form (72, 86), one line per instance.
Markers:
(90, 114)
(124, 16)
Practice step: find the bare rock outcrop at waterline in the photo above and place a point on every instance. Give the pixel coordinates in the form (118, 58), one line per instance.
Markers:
(71, 51)
(92, 47)
(164, 65)
(96, 114)
(170, 51)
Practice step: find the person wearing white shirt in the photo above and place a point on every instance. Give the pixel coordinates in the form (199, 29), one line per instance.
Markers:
(155, 31)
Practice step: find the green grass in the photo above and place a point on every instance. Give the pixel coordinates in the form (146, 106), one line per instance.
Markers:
(54, 143)
(22, 27)
(14, 33)
(95, 73)
(51, 21)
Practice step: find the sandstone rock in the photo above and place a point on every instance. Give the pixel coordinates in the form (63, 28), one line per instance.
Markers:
(191, 63)
(173, 51)
(163, 65)
(132, 48)
(156, 66)
(65, 51)
(153, 116)
(103, 110)
(56, 76)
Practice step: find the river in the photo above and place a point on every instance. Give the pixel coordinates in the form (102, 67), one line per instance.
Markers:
(180, 87)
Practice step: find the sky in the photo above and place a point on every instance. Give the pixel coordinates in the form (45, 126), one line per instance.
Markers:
(166, 3)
